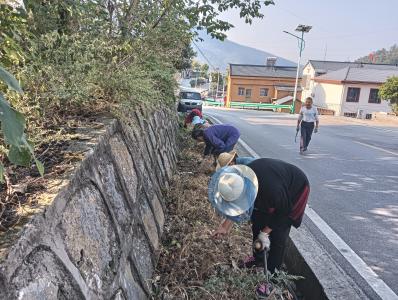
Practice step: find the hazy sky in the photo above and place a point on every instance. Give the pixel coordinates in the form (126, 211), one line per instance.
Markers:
(345, 29)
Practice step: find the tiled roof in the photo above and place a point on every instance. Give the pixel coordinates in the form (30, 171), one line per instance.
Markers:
(283, 100)
(359, 74)
(329, 66)
(262, 71)
(286, 88)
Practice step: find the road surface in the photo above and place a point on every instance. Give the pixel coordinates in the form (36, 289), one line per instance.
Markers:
(353, 171)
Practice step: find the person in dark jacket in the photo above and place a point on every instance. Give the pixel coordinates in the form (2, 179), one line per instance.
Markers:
(218, 138)
(283, 190)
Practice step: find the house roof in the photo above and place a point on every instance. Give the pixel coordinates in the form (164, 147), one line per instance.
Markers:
(321, 66)
(283, 100)
(262, 71)
(286, 88)
(359, 75)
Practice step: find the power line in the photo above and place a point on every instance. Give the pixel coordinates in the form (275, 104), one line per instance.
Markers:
(204, 56)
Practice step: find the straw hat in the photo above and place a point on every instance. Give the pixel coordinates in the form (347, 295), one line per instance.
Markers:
(224, 159)
(232, 192)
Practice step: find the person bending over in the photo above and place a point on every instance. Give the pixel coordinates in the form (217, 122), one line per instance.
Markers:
(218, 138)
(232, 158)
(189, 117)
(272, 194)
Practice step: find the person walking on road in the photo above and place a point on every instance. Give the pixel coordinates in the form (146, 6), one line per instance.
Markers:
(309, 122)
(218, 138)
(272, 194)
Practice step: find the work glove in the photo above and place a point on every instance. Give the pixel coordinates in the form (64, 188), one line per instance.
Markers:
(316, 130)
(262, 243)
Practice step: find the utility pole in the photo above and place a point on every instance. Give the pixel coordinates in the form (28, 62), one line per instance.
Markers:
(218, 82)
(196, 78)
(223, 85)
(302, 29)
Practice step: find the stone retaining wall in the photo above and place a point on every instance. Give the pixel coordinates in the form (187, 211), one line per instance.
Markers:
(99, 239)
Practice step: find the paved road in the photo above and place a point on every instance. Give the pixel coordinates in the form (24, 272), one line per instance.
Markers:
(353, 171)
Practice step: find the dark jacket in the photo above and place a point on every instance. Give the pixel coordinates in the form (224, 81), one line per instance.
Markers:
(282, 192)
(220, 138)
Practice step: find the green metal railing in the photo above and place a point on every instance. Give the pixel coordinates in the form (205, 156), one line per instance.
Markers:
(248, 105)
(258, 105)
(211, 102)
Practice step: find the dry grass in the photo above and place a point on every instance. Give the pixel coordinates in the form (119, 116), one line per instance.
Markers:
(192, 265)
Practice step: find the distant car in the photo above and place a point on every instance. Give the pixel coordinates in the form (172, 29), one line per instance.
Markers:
(189, 100)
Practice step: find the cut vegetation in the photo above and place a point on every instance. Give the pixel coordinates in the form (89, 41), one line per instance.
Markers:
(192, 265)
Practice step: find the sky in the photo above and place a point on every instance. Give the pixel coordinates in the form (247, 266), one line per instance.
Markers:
(342, 29)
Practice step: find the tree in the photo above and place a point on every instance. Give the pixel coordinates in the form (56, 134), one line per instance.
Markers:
(382, 56)
(18, 149)
(389, 91)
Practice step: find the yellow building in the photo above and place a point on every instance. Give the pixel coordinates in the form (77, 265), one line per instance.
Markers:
(260, 83)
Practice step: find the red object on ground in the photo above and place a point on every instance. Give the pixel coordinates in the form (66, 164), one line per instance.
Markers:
(192, 114)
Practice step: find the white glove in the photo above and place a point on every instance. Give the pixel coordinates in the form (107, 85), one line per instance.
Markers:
(264, 238)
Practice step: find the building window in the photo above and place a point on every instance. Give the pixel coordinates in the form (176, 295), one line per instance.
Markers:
(263, 92)
(353, 94)
(248, 93)
(374, 96)
(368, 116)
(241, 91)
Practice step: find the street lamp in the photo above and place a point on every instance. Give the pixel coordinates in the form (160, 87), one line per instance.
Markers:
(303, 29)
(218, 81)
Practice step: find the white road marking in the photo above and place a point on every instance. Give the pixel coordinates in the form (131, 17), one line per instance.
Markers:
(373, 280)
(377, 148)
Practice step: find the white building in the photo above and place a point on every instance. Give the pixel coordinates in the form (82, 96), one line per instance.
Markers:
(349, 89)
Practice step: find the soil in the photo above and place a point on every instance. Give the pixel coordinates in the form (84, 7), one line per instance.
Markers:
(192, 264)
(25, 193)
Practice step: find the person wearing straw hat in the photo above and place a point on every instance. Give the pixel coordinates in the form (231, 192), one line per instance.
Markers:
(232, 158)
(271, 193)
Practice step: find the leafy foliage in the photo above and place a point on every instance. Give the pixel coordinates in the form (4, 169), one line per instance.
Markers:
(389, 91)
(12, 32)
(73, 57)
(20, 151)
(382, 56)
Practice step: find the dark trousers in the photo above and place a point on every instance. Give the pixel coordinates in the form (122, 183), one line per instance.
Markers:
(306, 132)
(278, 238)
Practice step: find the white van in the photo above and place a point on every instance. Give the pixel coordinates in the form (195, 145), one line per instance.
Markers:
(189, 99)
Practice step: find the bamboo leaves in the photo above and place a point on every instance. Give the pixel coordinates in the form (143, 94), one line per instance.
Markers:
(20, 150)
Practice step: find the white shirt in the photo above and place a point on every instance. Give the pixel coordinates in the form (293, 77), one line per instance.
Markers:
(308, 115)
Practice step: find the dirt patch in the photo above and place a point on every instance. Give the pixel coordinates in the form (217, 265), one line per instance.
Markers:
(25, 193)
(192, 265)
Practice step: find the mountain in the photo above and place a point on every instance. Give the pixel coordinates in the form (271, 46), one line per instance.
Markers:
(382, 56)
(221, 53)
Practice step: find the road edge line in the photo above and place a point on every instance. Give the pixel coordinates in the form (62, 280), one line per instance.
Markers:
(371, 278)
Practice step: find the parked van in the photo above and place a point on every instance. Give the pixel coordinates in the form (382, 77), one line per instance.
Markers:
(189, 100)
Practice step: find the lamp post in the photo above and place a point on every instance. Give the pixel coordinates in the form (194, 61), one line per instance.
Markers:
(218, 82)
(302, 29)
